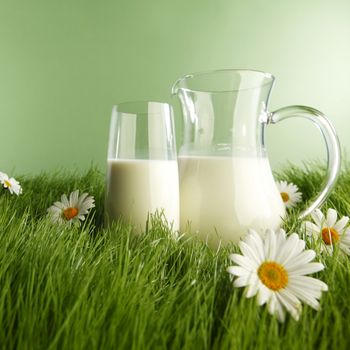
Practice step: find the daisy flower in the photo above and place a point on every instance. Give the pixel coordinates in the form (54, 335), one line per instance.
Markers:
(71, 210)
(274, 268)
(10, 183)
(329, 230)
(289, 192)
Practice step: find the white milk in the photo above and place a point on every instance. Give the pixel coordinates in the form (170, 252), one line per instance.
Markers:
(138, 187)
(222, 197)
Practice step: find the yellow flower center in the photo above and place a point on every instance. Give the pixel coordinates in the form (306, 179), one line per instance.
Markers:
(7, 183)
(330, 235)
(70, 213)
(285, 196)
(273, 275)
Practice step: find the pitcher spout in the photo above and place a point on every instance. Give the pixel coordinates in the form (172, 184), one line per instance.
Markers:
(178, 84)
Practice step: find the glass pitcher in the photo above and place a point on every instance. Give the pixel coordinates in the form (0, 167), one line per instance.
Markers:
(226, 183)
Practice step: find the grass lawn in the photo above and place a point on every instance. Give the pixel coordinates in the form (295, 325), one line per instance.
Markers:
(97, 288)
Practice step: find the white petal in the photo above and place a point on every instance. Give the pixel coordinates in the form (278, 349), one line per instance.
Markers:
(294, 197)
(241, 281)
(281, 185)
(307, 289)
(253, 235)
(270, 245)
(345, 237)
(289, 203)
(55, 208)
(82, 212)
(280, 237)
(306, 296)
(271, 304)
(237, 271)
(55, 214)
(275, 308)
(59, 205)
(318, 217)
(339, 226)
(82, 198)
(252, 288)
(87, 204)
(255, 241)
(311, 228)
(249, 252)
(247, 280)
(345, 248)
(289, 249)
(73, 199)
(301, 259)
(331, 217)
(290, 297)
(264, 295)
(293, 188)
(309, 283)
(290, 302)
(244, 262)
(65, 201)
(3, 176)
(306, 269)
(345, 240)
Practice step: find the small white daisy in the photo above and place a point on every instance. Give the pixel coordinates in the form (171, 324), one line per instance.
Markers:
(72, 210)
(289, 192)
(274, 268)
(10, 183)
(329, 230)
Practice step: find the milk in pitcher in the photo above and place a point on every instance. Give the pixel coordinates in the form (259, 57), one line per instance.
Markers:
(222, 197)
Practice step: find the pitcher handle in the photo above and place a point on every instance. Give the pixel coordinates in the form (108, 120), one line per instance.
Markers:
(332, 145)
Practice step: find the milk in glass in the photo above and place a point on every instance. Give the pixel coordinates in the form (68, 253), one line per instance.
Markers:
(137, 187)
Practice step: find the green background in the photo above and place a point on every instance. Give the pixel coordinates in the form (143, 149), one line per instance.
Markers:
(63, 64)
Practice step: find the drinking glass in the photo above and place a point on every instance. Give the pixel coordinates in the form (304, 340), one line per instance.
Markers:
(142, 171)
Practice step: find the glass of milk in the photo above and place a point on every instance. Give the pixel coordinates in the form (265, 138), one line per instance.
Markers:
(142, 171)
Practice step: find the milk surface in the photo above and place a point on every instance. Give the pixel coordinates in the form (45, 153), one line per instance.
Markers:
(138, 187)
(221, 197)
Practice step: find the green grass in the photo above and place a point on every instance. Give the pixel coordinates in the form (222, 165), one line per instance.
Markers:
(98, 288)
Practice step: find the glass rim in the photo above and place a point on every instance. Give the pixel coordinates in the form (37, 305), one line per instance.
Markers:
(174, 90)
(138, 106)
